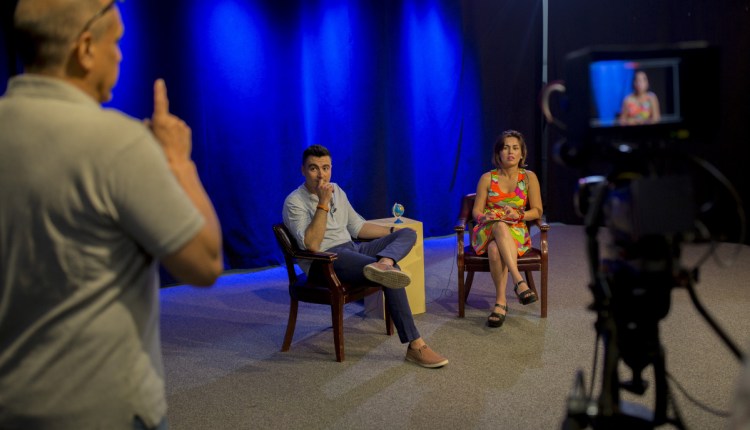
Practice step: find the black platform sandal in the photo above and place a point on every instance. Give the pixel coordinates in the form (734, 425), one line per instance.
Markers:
(495, 319)
(526, 297)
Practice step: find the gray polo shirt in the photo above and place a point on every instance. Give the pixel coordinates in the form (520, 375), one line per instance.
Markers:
(87, 207)
(343, 222)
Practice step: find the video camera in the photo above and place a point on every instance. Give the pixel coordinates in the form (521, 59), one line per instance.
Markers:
(630, 111)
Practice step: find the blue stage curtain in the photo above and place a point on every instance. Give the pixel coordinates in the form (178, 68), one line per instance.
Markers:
(395, 89)
(611, 81)
(388, 90)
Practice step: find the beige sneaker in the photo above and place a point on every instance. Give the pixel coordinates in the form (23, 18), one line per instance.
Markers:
(386, 275)
(425, 357)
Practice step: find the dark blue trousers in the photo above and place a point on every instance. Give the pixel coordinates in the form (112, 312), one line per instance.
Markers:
(354, 256)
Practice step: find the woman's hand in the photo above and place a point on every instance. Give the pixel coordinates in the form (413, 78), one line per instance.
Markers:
(511, 214)
(489, 215)
(507, 214)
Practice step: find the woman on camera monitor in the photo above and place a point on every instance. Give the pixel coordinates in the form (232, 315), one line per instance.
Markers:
(500, 210)
(641, 106)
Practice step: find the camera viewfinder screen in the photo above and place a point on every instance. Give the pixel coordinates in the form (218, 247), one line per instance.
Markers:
(635, 92)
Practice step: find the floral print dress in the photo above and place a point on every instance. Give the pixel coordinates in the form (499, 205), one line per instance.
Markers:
(500, 203)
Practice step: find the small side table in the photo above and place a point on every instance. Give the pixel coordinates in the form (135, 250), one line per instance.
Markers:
(412, 263)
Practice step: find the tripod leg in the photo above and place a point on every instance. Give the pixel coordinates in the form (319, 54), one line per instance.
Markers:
(660, 376)
(609, 399)
(662, 393)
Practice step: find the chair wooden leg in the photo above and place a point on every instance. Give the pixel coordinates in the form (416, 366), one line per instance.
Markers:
(293, 306)
(541, 294)
(464, 286)
(543, 281)
(461, 295)
(469, 281)
(337, 317)
(530, 281)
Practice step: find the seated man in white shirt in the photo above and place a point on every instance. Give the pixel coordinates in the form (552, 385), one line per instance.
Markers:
(320, 217)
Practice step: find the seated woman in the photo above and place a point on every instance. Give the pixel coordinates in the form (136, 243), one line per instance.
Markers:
(641, 106)
(499, 209)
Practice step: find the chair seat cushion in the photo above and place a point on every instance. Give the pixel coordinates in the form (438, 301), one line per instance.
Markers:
(306, 290)
(532, 256)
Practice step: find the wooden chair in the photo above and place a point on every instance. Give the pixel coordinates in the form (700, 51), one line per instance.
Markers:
(328, 291)
(536, 259)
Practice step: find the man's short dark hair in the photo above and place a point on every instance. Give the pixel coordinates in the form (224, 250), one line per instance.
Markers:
(315, 151)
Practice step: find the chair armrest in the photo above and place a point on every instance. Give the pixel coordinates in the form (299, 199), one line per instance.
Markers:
(540, 224)
(315, 256)
(460, 226)
(326, 259)
(544, 229)
(460, 229)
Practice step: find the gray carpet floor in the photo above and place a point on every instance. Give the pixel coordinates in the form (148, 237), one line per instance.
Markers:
(224, 368)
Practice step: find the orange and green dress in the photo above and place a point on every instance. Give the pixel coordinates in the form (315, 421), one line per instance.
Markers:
(638, 109)
(496, 202)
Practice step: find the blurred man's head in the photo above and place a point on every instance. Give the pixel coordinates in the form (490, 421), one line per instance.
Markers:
(76, 40)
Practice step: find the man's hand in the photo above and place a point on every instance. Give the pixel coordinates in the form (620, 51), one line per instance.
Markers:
(324, 190)
(173, 133)
(199, 261)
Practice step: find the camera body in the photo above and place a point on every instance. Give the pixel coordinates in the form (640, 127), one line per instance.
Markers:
(647, 219)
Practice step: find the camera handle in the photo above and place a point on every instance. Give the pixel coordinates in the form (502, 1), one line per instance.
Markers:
(552, 87)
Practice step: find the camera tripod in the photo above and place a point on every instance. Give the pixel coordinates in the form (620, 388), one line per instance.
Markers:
(631, 295)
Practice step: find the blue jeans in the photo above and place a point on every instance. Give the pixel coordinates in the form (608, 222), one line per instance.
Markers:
(354, 256)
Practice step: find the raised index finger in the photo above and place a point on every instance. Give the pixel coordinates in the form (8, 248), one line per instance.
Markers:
(161, 102)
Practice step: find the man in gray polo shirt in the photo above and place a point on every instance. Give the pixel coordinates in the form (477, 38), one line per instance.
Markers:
(320, 217)
(90, 202)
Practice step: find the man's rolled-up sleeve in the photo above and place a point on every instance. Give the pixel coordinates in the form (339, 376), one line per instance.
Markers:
(296, 218)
